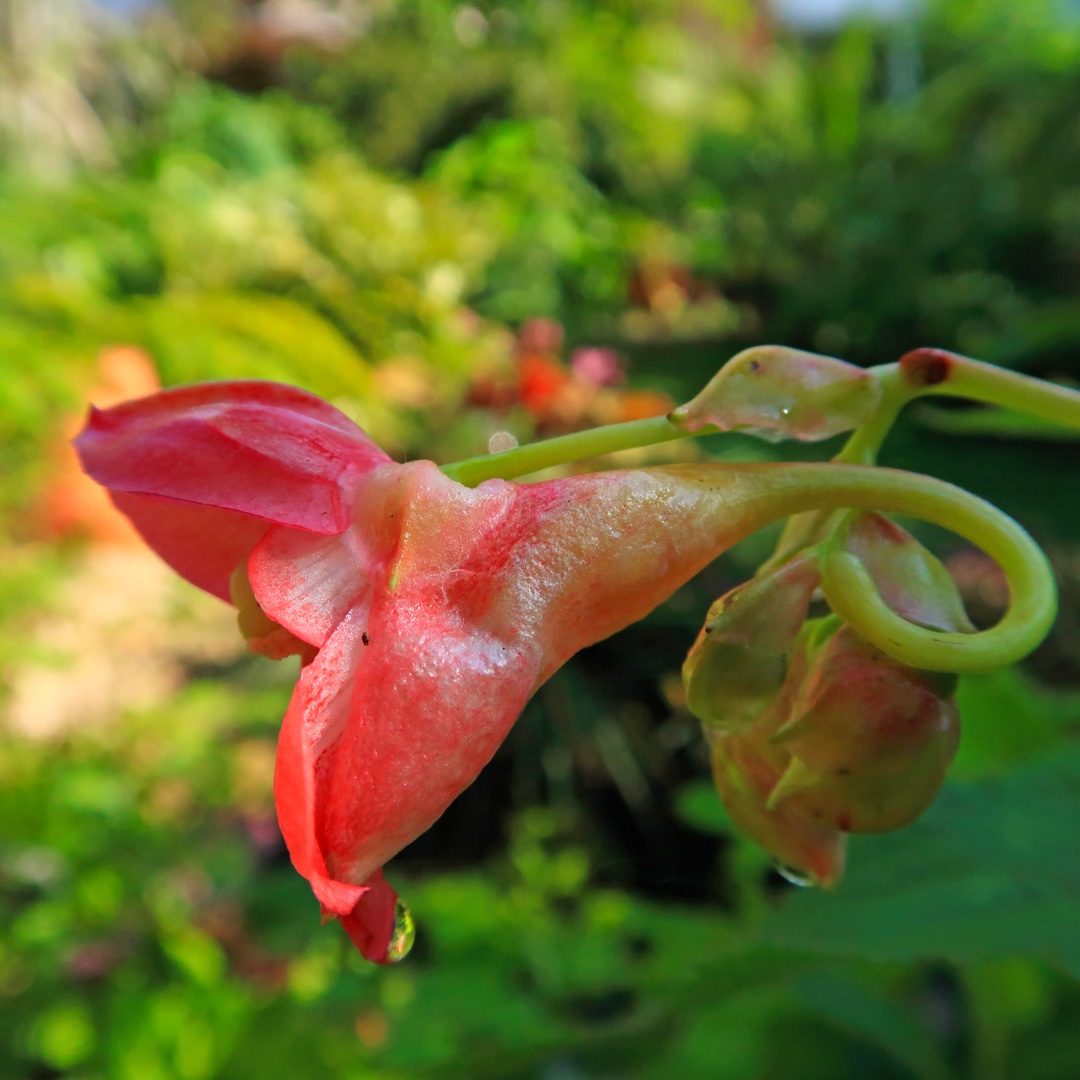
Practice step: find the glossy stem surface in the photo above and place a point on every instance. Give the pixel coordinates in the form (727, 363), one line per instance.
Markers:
(853, 596)
(521, 460)
(960, 376)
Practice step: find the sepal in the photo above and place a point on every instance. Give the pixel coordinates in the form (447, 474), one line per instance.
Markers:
(779, 393)
(869, 738)
(747, 767)
(740, 659)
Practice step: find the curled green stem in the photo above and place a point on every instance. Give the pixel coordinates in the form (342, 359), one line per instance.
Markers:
(851, 593)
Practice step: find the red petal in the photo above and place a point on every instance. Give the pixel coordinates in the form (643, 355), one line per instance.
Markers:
(313, 723)
(407, 700)
(434, 698)
(201, 543)
(371, 922)
(257, 450)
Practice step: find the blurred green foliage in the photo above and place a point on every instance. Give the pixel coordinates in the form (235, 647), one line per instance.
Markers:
(370, 208)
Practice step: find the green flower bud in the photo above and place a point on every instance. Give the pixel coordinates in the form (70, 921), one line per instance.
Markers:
(747, 767)
(740, 659)
(780, 393)
(869, 738)
(911, 580)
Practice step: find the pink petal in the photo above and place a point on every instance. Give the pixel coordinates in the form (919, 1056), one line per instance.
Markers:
(254, 450)
(371, 922)
(201, 543)
(433, 699)
(313, 724)
(410, 697)
(308, 583)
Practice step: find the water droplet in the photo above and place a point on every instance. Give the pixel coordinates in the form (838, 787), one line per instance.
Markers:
(401, 940)
(500, 441)
(796, 877)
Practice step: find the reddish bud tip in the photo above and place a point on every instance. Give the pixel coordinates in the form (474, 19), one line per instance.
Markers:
(927, 367)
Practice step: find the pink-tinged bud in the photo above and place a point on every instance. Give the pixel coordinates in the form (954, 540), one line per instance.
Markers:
(869, 739)
(747, 768)
(778, 393)
(740, 659)
(911, 580)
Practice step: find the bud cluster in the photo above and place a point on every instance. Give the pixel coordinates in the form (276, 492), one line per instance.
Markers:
(815, 733)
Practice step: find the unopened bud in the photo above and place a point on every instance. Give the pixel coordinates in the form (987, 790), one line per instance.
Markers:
(869, 738)
(779, 393)
(746, 769)
(740, 659)
(912, 581)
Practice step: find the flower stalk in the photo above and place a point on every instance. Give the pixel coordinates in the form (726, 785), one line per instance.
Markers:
(920, 373)
(813, 497)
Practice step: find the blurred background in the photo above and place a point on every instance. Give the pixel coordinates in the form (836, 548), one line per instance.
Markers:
(466, 224)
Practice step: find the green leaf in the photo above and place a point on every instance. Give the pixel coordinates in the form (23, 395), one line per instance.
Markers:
(698, 804)
(1007, 718)
(858, 1009)
(993, 869)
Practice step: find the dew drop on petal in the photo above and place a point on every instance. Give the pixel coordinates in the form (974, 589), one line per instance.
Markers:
(401, 941)
(794, 876)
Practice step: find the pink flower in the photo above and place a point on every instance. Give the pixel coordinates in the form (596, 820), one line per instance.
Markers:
(426, 612)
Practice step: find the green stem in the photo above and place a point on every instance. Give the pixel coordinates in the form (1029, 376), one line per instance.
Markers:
(865, 442)
(921, 373)
(533, 457)
(780, 490)
(960, 376)
(852, 595)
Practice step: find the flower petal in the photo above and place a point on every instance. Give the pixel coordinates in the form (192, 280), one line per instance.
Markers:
(313, 722)
(433, 699)
(201, 543)
(371, 923)
(256, 451)
(409, 697)
(307, 583)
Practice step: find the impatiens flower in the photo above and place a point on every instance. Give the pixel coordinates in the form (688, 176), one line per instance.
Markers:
(425, 613)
